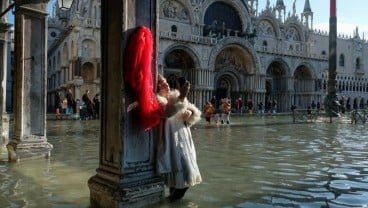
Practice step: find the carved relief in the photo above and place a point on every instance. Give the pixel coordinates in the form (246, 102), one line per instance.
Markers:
(174, 10)
(235, 58)
(292, 34)
(266, 29)
(197, 1)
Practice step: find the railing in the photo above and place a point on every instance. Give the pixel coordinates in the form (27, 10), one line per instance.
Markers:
(359, 115)
(84, 22)
(188, 38)
(305, 115)
(299, 53)
(213, 41)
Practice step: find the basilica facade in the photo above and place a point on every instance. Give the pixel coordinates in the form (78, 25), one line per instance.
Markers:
(226, 48)
(236, 50)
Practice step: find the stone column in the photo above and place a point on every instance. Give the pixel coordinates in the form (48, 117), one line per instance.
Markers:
(4, 117)
(126, 174)
(29, 139)
(78, 82)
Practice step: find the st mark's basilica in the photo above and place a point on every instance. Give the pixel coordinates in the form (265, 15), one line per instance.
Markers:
(226, 48)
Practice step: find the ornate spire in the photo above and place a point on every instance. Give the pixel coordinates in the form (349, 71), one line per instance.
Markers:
(280, 4)
(307, 7)
(307, 15)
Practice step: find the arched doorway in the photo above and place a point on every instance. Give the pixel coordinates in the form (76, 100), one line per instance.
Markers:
(178, 63)
(276, 87)
(234, 68)
(304, 86)
(88, 73)
(226, 86)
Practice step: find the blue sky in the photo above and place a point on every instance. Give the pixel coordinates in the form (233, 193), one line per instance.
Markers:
(350, 14)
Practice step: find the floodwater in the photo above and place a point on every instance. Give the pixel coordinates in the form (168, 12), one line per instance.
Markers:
(254, 162)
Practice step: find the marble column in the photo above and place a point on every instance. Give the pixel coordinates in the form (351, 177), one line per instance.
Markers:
(126, 174)
(4, 121)
(29, 139)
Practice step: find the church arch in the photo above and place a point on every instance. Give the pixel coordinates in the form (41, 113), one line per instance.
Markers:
(304, 86)
(176, 11)
(220, 16)
(252, 61)
(179, 61)
(226, 84)
(236, 58)
(276, 85)
(267, 27)
(88, 72)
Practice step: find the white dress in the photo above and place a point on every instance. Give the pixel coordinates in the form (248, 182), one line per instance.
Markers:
(176, 154)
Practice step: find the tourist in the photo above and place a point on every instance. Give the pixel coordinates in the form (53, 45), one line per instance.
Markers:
(274, 106)
(64, 106)
(208, 110)
(96, 105)
(225, 110)
(318, 106)
(250, 107)
(89, 105)
(71, 102)
(176, 155)
(57, 103)
(238, 105)
(260, 108)
(313, 105)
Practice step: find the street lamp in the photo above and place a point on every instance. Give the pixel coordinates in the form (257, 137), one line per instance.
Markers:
(65, 4)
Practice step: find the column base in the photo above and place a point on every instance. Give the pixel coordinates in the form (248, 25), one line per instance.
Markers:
(4, 137)
(105, 193)
(28, 149)
(3, 153)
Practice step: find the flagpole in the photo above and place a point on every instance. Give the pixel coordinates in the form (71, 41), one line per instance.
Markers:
(332, 102)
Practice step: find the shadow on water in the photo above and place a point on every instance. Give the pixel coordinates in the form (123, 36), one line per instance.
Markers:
(253, 162)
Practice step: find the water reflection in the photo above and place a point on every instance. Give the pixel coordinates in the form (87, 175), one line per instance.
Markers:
(255, 162)
(60, 181)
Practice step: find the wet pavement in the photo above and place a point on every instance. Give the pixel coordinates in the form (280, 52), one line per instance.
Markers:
(253, 162)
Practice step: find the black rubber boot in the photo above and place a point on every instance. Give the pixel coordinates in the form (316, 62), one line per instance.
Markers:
(177, 194)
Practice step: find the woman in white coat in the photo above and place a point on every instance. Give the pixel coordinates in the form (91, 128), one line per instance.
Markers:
(176, 155)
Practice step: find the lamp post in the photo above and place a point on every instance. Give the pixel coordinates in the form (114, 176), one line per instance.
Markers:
(65, 4)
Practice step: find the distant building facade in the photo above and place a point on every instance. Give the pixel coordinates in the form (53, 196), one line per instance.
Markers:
(227, 48)
(230, 49)
(74, 54)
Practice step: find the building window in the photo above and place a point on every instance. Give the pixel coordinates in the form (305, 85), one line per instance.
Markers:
(174, 28)
(265, 45)
(357, 64)
(53, 34)
(342, 60)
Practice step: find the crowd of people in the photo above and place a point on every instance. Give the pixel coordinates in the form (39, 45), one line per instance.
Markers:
(86, 109)
(221, 109)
